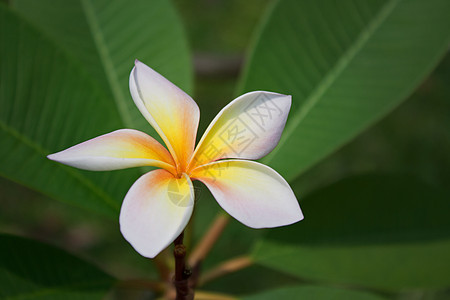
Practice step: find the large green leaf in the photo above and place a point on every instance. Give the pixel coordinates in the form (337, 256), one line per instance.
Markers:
(346, 64)
(107, 36)
(53, 95)
(313, 292)
(47, 104)
(389, 232)
(33, 270)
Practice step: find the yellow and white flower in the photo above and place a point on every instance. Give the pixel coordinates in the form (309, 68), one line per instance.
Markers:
(159, 204)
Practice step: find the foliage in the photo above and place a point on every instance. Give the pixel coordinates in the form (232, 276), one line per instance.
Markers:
(375, 229)
(32, 270)
(64, 69)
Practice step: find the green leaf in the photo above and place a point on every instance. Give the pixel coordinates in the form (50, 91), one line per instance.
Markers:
(107, 36)
(256, 278)
(389, 232)
(346, 64)
(69, 83)
(33, 270)
(313, 292)
(48, 103)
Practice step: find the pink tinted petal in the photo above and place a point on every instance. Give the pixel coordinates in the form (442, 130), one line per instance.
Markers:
(120, 149)
(251, 192)
(249, 127)
(155, 211)
(172, 112)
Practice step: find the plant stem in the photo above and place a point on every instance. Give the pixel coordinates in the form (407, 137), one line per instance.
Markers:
(229, 266)
(209, 239)
(183, 291)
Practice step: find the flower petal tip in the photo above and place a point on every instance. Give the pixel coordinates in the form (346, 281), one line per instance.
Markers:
(289, 219)
(298, 218)
(296, 215)
(54, 156)
(142, 251)
(290, 99)
(139, 64)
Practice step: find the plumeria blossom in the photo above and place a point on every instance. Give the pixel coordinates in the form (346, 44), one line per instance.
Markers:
(159, 204)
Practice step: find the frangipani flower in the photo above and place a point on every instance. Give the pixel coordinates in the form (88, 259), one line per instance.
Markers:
(159, 204)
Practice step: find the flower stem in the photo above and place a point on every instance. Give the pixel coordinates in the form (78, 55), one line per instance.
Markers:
(226, 267)
(183, 291)
(209, 239)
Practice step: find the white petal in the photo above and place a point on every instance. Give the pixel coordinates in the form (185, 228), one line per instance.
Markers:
(172, 113)
(155, 211)
(249, 127)
(120, 149)
(251, 192)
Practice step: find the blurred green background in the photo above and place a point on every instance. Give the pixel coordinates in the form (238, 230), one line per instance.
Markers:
(413, 140)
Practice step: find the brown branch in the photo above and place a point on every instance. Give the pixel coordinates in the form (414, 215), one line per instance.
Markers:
(226, 267)
(209, 239)
(183, 291)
